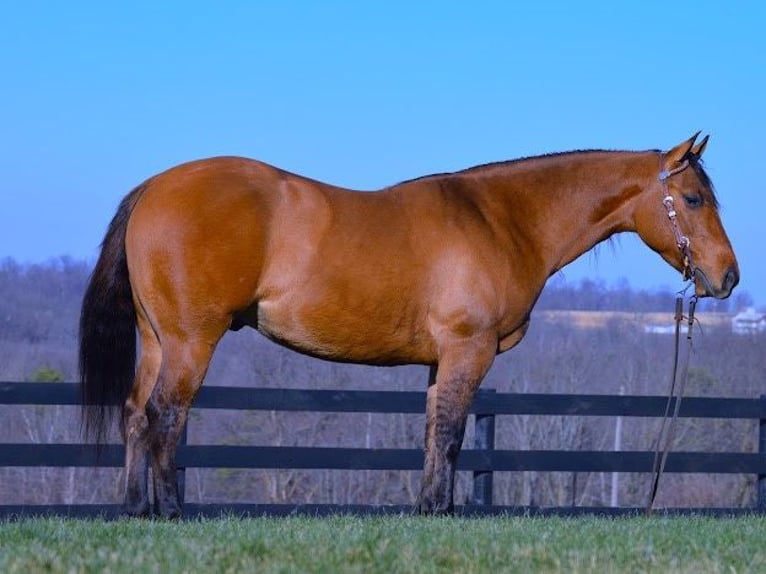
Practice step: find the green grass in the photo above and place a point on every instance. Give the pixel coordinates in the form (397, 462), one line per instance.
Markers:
(386, 544)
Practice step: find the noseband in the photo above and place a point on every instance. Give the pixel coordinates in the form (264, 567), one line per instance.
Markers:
(682, 241)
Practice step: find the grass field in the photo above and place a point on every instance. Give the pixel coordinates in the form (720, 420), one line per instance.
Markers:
(386, 544)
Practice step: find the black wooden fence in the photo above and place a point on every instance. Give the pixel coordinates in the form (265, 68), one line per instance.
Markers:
(483, 460)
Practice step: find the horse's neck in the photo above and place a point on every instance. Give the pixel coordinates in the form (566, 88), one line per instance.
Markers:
(566, 204)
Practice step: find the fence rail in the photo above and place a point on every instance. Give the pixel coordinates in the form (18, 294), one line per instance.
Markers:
(483, 459)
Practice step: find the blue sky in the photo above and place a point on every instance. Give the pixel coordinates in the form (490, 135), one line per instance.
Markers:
(98, 96)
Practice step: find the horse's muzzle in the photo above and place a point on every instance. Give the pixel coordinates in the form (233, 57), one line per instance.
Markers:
(706, 289)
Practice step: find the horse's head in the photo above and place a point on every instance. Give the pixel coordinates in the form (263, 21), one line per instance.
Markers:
(678, 218)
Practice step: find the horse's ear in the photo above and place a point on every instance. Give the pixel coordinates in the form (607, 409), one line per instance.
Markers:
(675, 156)
(699, 149)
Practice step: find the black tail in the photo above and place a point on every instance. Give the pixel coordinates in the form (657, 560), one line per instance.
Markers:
(108, 329)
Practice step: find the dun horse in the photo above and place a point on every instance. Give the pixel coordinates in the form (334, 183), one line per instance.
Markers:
(442, 271)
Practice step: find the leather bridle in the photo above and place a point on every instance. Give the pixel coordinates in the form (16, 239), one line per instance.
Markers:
(682, 241)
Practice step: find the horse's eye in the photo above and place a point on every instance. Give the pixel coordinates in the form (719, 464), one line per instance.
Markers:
(693, 200)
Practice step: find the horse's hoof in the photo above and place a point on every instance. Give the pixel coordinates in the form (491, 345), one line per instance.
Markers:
(169, 512)
(427, 507)
(135, 511)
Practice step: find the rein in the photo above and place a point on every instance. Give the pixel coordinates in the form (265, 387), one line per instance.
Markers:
(662, 447)
(665, 438)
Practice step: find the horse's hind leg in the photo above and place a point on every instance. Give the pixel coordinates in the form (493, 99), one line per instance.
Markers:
(135, 427)
(184, 363)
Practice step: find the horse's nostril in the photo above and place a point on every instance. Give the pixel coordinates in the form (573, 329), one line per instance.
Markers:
(731, 279)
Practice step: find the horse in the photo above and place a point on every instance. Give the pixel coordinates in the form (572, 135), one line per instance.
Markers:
(442, 271)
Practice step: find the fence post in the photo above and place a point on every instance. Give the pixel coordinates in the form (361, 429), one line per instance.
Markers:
(484, 439)
(761, 503)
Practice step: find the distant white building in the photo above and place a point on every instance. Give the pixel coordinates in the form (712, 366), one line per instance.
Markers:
(660, 329)
(748, 322)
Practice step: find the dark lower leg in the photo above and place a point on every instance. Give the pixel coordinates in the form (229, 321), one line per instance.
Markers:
(445, 431)
(168, 422)
(424, 503)
(184, 364)
(135, 434)
(450, 393)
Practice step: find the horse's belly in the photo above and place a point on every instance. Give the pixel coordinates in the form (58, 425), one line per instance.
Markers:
(331, 333)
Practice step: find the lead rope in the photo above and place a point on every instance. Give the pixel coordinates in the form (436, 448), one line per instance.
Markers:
(662, 447)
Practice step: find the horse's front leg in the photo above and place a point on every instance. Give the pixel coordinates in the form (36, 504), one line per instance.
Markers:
(452, 387)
